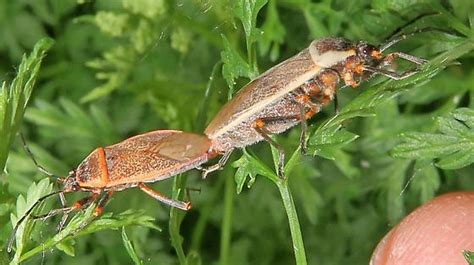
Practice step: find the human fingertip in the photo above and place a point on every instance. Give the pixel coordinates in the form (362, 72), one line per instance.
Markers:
(437, 232)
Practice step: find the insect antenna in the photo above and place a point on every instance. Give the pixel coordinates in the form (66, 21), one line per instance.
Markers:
(38, 166)
(410, 22)
(28, 213)
(394, 38)
(390, 42)
(59, 179)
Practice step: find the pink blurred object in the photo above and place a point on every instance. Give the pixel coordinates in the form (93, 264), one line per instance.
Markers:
(435, 233)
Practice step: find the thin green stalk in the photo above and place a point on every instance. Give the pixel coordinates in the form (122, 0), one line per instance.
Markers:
(227, 220)
(289, 204)
(297, 238)
(252, 58)
(204, 105)
(176, 218)
(199, 228)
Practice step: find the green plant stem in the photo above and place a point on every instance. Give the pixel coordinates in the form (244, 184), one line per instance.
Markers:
(66, 233)
(252, 59)
(289, 204)
(176, 217)
(297, 238)
(105, 222)
(227, 220)
(203, 220)
(204, 105)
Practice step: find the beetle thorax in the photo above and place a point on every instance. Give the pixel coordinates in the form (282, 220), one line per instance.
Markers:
(327, 52)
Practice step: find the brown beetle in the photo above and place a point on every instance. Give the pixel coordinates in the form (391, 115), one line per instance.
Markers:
(294, 90)
(148, 157)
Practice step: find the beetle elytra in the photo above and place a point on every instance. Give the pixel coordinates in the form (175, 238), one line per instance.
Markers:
(148, 157)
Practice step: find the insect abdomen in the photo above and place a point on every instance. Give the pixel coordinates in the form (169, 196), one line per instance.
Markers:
(269, 88)
(282, 114)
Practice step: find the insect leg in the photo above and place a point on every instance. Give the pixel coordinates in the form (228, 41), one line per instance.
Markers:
(76, 205)
(65, 210)
(220, 164)
(303, 98)
(388, 59)
(62, 199)
(23, 218)
(390, 74)
(162, 198)
(304, 115)
(102, 202)
(317, 92)
(65, 216)
(304, 128)
(97, 211)
(259, 127)
(53, 212)
(313, 94)
(44, 171)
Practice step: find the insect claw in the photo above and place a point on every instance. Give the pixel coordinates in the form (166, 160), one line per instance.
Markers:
(60, 226)
(280, 173)
(220, 164)
(303, 145)
(204, 173)
(83, 224)
(187, 205)
(281, 165)
(304, 149)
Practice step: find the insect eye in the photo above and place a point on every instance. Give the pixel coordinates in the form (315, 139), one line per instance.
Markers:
(364, 49)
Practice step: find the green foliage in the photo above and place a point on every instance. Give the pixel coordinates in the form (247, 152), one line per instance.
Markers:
(139, 33)
(246, 11)
(274, 32)
(469, 256)
(14, 98)
(92, 128)
(453, 146)
(119, 68)
(35, 191)
(176, 218)
(249, 166)
(63, 240)
(129, 248)
(234, 65)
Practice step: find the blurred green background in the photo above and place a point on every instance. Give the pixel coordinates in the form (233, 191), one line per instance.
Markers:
(124, 67)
